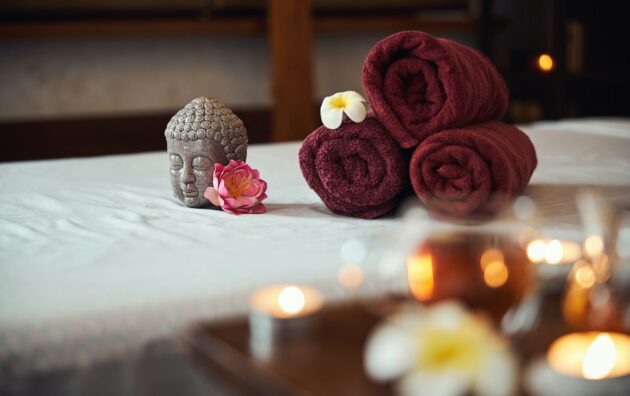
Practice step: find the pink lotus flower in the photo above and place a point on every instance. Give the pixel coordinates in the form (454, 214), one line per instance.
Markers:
(237, 188)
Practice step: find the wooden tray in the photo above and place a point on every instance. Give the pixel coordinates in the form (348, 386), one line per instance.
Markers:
(327, 361)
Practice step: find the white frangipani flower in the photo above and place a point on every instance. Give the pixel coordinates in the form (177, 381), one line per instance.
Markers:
(442, 350)
(334, 106)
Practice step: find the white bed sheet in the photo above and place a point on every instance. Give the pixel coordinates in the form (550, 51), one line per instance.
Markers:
(96, 256)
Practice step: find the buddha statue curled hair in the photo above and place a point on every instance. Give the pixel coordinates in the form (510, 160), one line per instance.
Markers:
(201, 134)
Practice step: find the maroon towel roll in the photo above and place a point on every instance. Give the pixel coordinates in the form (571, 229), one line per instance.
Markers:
(418, 85)
(474, 169)
(357, 170)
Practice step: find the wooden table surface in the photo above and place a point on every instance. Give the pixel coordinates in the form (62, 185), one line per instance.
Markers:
(329, 360)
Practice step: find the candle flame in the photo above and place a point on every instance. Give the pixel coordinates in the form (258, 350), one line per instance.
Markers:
(291, 300)
(545, 62)
(600, 358)
(420, 273)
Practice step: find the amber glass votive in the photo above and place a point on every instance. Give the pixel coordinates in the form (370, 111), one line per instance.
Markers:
(486, 271)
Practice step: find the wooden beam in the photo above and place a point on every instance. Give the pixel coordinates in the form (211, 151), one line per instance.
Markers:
(290, 30)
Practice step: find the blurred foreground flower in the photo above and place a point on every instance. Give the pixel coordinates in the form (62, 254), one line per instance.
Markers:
(442, 350)
(349, 102)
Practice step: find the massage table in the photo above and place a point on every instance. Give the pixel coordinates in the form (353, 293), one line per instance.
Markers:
(97, 258)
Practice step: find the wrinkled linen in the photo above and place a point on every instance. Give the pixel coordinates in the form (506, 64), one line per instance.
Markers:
(97, 257)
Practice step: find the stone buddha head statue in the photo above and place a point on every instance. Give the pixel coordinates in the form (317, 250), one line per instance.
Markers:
(201, 134)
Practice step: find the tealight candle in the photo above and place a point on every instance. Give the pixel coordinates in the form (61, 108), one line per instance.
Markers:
(590, 363)
(281, 313)
(286, 301)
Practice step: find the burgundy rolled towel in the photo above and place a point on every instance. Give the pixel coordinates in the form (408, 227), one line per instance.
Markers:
(473, 169)
(357, 170)
(418, 85)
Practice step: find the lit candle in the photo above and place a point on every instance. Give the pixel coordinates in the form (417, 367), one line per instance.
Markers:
(545, 62)
(281, 313)
(487, 271)
(286, 301)
(589, 363)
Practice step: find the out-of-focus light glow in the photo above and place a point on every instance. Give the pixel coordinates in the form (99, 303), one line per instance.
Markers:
(524, 207)
(350, 276)
(545, 62)
(291, 300)
(536, 250)
(353, 250)
(420, 275)
(600, 358)
(495, 274)
(593, 245)
(489, 256)
(554, 252)
(584, 276)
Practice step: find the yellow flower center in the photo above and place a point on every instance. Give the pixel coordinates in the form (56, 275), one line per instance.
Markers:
(455, 349)
(236, 185)
(338, 102)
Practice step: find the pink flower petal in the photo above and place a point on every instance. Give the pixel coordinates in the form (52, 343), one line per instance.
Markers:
(240, 178)
(218, 169)
(254, 189)
(213, 196)
(241, 202)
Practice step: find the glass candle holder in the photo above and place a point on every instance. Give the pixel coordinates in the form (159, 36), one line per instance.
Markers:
(482, 265)
(487, 271)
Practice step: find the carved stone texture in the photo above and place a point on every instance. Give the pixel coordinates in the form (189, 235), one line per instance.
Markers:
(201, 134)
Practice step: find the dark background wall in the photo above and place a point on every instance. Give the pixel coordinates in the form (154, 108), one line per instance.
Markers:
(96, 77)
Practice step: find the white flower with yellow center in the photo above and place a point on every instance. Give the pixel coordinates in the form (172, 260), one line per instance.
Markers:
(348, 102)
(443, 350)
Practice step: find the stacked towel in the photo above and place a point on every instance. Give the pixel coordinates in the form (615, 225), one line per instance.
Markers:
(357, 170)
(418, 85)
(472, 170)
(436, 96)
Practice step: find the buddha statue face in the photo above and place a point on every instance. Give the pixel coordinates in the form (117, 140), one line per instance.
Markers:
(201, 134)
(191, 168)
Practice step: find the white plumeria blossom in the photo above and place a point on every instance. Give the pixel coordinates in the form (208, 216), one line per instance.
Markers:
(442, 350)
(349, 102)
